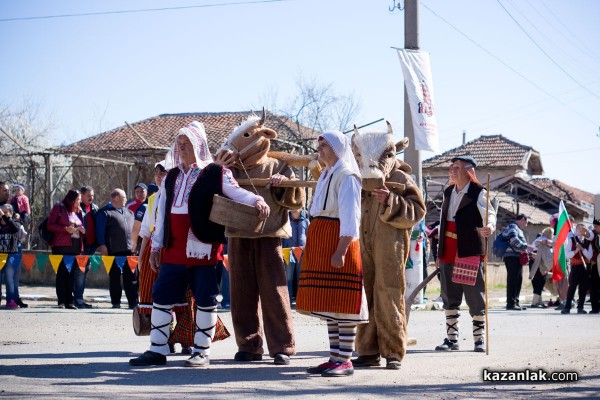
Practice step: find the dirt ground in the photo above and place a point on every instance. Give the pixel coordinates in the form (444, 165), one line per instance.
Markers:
(52, 353)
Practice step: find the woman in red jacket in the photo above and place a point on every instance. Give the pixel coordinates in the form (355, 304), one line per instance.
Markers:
(66, 222)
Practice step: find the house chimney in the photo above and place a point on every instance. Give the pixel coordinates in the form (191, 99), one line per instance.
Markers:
(464, 137)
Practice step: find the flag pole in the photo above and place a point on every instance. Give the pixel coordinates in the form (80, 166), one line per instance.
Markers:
(485, 258)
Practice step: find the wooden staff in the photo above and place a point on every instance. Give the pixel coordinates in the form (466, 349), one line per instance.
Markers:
(262, 182)
(485, 279)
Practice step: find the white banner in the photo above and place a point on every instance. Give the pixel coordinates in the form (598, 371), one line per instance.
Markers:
(419, 88)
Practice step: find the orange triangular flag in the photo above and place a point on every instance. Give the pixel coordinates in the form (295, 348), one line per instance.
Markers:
(108, 262)
(226, 262)
(82, 261)
(132, 261)
(297, 253)
(28, 260)
(55, 260)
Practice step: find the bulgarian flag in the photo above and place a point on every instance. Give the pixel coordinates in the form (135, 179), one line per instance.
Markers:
(563, 227)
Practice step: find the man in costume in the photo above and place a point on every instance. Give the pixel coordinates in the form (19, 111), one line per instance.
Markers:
(331, 279)
(594, 276)
(579, 251)
(190, 243)
(259, 293)
(388, 215)
(183, 332)
(462, 235)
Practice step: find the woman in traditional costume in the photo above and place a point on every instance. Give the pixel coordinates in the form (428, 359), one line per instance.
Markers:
(331, 280)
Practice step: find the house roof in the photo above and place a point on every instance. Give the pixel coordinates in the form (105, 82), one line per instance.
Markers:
(494, 151)
(563, 191)
(160, 131)
(512, 207)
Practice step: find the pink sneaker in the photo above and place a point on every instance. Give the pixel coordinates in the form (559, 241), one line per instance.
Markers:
(319, 369)
(340, 369)
(12, 305)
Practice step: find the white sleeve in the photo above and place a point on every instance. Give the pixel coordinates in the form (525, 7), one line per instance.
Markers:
(232, 190)
(148, 220)
(481, 200)
(349, 203)
(569, 252)
(159, 223)
(588, 252)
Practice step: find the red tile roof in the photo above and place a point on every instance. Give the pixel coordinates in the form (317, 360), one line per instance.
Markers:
(160, 131)
(562, 190)
(494, 151)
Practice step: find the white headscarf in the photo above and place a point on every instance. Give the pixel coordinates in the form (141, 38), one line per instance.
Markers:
(197, 135)
(341, 146)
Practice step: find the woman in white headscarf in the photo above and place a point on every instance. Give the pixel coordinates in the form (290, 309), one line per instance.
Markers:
(186, 245)
(331, 279)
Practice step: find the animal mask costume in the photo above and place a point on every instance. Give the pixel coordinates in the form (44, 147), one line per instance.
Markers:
(255, 258)
(385, 242)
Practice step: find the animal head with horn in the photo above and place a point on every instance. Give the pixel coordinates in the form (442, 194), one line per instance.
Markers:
(249, 143)
(376, 152)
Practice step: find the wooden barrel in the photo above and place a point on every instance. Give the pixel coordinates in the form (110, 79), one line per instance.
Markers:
(232, 214)
(141, 323)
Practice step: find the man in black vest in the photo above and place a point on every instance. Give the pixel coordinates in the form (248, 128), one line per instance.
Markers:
(186, 245)
(462, 234)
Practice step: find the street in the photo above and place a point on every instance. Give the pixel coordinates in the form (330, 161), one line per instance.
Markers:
(51, 353)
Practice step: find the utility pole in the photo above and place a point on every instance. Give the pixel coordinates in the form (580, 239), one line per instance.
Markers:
(411, 42)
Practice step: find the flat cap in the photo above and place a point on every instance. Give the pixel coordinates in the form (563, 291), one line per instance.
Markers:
(467, 159)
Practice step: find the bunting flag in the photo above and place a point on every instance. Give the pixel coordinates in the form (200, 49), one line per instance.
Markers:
(298, 253)
(15, 260)
(286, 255)
(419, 90)
(120, 260)
(41, 260)
(82, 262)
(95, 262)
(132, 261)
(3, 258)
(68, 260)
(108, 262)
(563, 227)
(226, 262)
(28, 260)
(55, 260)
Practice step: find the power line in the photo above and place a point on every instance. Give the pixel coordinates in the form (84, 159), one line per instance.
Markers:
(509, 67)
(555, 45)
(140, 10)
(545, 53)
(576, 39)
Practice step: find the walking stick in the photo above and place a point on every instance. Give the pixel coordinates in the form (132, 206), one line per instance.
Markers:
(485, 280)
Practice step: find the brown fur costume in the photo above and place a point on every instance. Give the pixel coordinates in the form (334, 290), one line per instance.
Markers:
(385, 243)
(257, 272)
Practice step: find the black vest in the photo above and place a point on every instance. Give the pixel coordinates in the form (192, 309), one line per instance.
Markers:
(467, 218)
(209, 183)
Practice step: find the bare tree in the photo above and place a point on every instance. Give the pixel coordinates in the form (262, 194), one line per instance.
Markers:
(25, 140)
(318, 107)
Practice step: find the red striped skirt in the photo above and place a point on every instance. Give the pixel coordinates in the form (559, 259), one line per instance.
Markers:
(147, 278)
(323, 288)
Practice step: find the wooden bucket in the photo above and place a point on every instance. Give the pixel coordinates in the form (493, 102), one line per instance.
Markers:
(232, 214)
(370, 184)
(141, 323)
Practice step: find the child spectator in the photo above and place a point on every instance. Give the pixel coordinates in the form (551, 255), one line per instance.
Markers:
(20, 203)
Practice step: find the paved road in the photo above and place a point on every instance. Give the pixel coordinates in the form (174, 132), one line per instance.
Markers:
(48, 353)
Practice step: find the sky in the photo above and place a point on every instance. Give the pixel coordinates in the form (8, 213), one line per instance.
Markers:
(526, 69)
